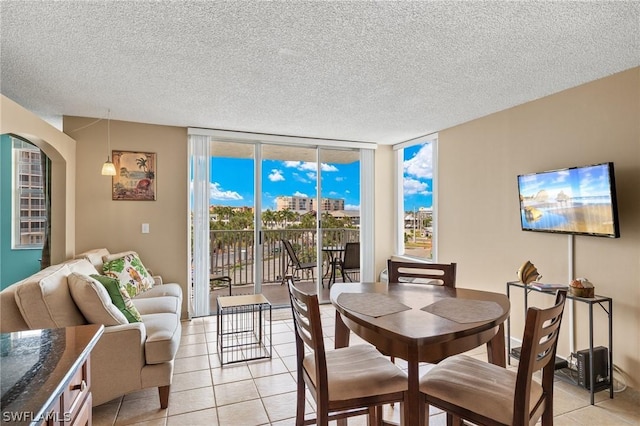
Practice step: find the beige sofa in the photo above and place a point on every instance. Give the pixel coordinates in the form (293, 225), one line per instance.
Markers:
(129, 356)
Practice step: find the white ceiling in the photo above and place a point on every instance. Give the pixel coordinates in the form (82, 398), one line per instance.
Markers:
(380, 72)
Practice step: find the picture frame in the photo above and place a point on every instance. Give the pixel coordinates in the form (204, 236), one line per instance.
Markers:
(136, 175)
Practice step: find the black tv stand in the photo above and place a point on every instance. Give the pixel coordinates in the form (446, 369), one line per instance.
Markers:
(606, 303)
(560, 363)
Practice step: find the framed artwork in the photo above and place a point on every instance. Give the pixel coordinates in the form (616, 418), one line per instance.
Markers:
(135, 178)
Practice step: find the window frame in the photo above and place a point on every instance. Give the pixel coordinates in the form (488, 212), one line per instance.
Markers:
(399, 213)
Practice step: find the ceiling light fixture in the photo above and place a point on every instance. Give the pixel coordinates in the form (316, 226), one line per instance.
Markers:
(108, 168)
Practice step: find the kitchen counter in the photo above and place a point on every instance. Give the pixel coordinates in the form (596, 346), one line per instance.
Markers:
(38, 370)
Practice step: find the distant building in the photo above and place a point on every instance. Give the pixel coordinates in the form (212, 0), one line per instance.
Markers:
(30, 194)
(305, 204)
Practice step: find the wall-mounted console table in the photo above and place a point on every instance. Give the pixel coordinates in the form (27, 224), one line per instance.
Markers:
(606, 303)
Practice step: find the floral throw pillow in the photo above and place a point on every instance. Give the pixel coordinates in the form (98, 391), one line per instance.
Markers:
(119, 297)
(131, 273)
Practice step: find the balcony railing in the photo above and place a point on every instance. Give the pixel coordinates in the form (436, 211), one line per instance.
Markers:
(232, 251)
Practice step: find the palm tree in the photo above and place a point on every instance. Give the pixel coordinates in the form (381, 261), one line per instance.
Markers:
(142, 164)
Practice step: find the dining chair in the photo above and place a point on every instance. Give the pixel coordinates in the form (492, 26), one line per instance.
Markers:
(443, 274)
(487, 394)
(345, 382)
(350, 264)
(294, 262)
(422, 273)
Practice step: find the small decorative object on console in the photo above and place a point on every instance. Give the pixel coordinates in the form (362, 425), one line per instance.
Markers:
(582, 287)
(528, 273)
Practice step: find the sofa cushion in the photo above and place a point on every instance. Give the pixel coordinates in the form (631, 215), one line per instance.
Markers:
(169, 289)
(119, 297)
(158, 305)
(130, 271)
(94, 257)
(93, 300)
(81, 266)
(163, 337)
(44, 299)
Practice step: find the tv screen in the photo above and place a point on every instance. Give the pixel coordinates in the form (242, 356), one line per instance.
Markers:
(575, 200)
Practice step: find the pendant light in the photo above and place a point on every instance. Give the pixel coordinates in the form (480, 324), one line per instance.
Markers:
(108, 168)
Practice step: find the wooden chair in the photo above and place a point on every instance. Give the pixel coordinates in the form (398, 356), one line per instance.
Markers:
(350, 264)
(295, 263)
(422, 273)
(487, 394)
(344, 382)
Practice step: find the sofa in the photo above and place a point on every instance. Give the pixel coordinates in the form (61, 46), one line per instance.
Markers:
(129, 356)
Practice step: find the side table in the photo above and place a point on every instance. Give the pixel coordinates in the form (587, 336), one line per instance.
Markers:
(244, 328)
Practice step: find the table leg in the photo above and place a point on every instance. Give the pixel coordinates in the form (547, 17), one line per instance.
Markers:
(341, 333)
(414, 414)
(495, 348)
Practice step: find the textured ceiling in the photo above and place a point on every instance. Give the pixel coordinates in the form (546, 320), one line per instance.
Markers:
(380, 72)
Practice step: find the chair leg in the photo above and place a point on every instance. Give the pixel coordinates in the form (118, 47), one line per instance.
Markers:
(300, 402)
(375, 416)
(453, 420)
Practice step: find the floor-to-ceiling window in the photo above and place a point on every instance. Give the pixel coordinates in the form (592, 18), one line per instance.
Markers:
(416, 213)
(263, 191)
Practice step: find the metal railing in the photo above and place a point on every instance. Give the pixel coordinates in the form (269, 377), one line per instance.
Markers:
(232, 251)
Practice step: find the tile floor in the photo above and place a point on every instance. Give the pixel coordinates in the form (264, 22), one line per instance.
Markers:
(263, 392)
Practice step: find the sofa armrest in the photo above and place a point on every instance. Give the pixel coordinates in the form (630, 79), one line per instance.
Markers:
(157, 279)
(117, 361)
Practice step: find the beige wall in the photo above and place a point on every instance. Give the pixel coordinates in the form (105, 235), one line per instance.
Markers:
(61, 149)
(116, 225)
(478, 206)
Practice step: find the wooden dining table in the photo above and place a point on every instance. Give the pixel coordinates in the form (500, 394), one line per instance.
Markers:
(420, 323)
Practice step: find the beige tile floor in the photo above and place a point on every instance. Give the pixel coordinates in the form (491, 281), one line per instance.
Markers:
(263, 392)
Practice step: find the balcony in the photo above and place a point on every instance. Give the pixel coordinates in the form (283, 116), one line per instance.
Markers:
(232, 254)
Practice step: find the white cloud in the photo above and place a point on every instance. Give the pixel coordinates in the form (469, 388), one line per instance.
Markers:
(352, 207)
(296, 176)
(310, 166)
(217, 193)
(276, 175)
(421, 165)
(340, 178)
(414, 186)
(311, 175)
(300, 194)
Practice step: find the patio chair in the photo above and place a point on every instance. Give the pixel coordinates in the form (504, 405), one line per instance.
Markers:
(344, 382)
(350, 264)
(219, 278)
(295, 263)
(483, 393)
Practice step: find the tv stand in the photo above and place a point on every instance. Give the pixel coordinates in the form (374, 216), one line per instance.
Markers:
(606, 303)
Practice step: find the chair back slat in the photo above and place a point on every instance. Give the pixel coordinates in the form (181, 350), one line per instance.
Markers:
(538, 352)
(422, 273)
(291, 252)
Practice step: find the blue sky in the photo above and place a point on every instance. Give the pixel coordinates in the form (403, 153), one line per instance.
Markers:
(576, 182)
(232, 180)
(282, 178)
(418, 176)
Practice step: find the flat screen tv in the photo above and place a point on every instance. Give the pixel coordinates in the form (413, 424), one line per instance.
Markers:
(575, 200)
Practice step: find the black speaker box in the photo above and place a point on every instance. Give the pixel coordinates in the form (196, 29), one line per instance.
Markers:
(600, 367)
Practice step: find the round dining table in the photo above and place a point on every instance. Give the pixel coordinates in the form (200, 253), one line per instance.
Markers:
(420, 323)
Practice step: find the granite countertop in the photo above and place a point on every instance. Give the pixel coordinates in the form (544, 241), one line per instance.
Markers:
(36, 366)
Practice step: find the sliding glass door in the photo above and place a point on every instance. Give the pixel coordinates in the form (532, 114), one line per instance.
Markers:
(273, 210)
